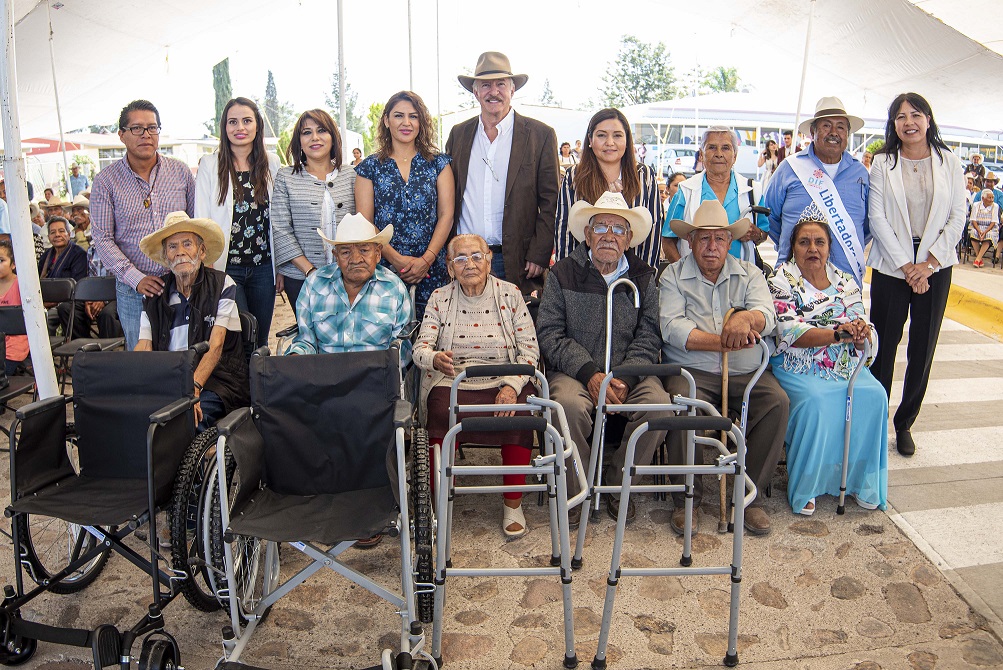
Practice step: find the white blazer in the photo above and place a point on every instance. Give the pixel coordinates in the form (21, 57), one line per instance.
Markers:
(207, 201)
(889, 215)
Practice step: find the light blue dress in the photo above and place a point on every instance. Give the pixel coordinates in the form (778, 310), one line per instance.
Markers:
(816, 381)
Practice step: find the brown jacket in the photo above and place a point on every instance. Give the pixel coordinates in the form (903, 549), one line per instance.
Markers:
(530, 193)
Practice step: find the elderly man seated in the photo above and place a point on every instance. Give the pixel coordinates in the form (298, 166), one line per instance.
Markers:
(354, 304)
(197, 304)
(695, 293)
(572, 335)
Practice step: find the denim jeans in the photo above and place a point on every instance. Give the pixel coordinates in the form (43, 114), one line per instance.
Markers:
(498, 265)
(255, 294)
(212, 410)
(130, 306)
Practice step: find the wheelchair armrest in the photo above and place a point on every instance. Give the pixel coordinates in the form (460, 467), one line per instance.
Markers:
(262, 351)
(200, 349)
(90, 346)
(172, 411)
(288, 332)
(663, 370)
(409, 330)
(229, 424)
(40, 406)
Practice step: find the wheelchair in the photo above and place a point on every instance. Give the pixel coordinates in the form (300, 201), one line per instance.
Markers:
(79, 490)
(318, 462)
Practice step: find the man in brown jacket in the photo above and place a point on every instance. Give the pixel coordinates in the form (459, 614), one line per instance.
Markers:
(506, 172)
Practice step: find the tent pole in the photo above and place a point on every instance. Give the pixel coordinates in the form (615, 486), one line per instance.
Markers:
(20, 223)
(438, 77)
(342, 113)
(410, 50)
(59, 113)
(804, 71)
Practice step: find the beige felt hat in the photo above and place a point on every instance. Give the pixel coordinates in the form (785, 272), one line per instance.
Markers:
(710, 215)
(180, 222)
(492, 65)
(54, 201)
(829, 107)
(582, 212)
(81, 201)
(356, 229)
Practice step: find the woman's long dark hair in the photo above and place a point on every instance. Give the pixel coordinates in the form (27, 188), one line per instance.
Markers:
(590, 183)
(892, 141)
(261, 177)
(776, 149)
(424, 142)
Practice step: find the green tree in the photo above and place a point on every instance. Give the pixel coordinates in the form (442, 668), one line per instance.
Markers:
(876, 146)
(547, 97)
(352, 120)
(224, 91)
(278, 115)
(721, 80)
(372, 128)
(641, 73)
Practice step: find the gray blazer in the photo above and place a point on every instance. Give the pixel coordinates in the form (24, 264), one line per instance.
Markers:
(296, 214)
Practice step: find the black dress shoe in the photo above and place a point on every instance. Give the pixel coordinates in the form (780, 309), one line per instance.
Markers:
(904, 443)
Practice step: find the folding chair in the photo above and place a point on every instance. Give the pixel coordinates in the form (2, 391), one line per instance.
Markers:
(88, 289)
(555, 449)
(133, 419)
(57, 291)
(283, 474)
(12, 323)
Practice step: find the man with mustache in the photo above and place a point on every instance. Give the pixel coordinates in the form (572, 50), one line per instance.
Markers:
(827, 175)
(506, 171)
(571, 330)
(353, 304)
(695, 294)
(197, 304)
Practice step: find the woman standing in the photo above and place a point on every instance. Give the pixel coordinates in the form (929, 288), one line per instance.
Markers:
(314, 192)
(565, 159)
(405, 184)
(985, 230)
(917, 213)
(606, 165)
(16, 346)
(234, 188)
(768, 161)
(356, 156)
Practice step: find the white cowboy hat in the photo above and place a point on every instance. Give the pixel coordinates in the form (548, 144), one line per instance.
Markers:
(179, 222)
(582, 212)
(492, 65)
(356, 229)
(828, 107)
(81, 201)
(54, 201)
(710, 215)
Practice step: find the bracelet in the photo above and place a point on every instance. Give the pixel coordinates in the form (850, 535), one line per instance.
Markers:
(199, 387)
(310, 271)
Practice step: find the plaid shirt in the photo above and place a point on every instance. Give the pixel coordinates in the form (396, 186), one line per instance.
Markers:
(120, 221)
(328, 324)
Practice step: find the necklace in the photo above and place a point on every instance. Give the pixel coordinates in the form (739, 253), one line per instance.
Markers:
(153, 184)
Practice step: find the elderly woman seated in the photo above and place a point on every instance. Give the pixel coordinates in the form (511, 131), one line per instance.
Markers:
(477, 319)
(821, 328)
(985, 225)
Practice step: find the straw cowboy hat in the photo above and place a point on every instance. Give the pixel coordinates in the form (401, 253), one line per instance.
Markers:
(356, 229)
(829, 107)
(991, 176)
(582, 212)
(55, 201)
(180, 222)
(710, 215)
(81, 201)
(492, 65)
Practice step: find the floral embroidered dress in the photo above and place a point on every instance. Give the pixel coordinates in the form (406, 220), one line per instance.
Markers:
(816, 381)
(249, 243)
(412, 208)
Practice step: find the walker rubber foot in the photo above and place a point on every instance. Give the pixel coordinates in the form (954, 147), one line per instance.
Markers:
(576, 564)
(438, 662)
(731, 660)
(571, 662)
(598, 665)
(841, 509)
(686, 561)
(555, 561)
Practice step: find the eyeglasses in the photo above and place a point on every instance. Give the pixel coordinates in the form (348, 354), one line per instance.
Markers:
(139, 130)
(476, 257)
(603, 228)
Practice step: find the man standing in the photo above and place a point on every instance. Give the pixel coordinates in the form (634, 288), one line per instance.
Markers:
(827, 178)
(786, 151)
(506, 170)
(130, 199)
(78, 182)
(978, 169)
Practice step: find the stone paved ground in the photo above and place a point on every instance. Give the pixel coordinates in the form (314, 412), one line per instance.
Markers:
(819, 593)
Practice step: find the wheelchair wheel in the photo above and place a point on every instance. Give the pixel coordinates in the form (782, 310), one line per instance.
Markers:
(49, 544)
(15, 650)
(420, 503)
(255, 561)
(187, 519)
(158, 654)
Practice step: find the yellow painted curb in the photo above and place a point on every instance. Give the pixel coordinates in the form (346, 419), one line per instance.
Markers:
(976, 311)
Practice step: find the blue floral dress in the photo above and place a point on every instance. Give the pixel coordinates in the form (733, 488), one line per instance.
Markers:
(412, 208)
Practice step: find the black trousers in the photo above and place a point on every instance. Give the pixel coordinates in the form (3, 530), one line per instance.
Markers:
(892, 302)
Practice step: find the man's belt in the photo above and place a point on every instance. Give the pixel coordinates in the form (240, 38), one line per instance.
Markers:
(495, 248)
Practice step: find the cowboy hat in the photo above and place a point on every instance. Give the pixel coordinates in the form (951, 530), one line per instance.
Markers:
(179, 222)
(492, 65)
(710, 215)
(990, 176)
(55, 201)
(582, 212)
(828, 107)
(356, 229)
(81, 201)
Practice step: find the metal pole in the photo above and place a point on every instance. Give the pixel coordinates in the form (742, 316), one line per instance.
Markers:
(59, 113)
(410, 50)
(20, 222)
(804, 71)
(438, 77)
(343, 112)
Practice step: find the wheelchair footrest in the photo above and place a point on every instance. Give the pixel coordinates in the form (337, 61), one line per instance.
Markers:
(234, 665)
(106, 643)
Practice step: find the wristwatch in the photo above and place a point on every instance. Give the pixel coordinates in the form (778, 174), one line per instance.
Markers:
(929, 266)
(835, 335)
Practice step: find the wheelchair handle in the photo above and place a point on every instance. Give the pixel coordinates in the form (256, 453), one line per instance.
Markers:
(663, 370)
(501, 370)
(496, 424)
(691, 423)
(200, 348)
(286, 332)
(172, 411)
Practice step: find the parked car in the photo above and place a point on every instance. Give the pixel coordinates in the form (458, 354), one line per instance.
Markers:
(674, 158)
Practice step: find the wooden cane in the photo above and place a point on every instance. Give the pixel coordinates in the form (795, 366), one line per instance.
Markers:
(722, 524)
